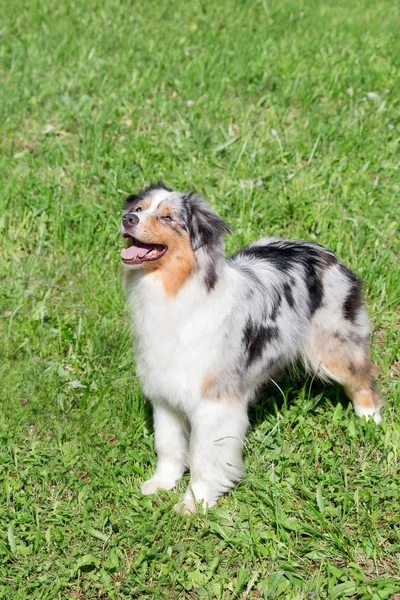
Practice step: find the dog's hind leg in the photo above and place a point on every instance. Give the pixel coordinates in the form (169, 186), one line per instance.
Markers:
(357, 379)
(218, 430)
(342, 355)
(172, 445)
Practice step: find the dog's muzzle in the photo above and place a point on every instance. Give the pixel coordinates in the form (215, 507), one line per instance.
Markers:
(130, 220)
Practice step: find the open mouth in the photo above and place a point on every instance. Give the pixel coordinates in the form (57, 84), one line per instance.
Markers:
(140, 252)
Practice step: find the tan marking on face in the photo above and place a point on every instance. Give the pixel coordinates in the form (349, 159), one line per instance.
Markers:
(145, 204)
(164, 211)
(178, 263)
(142, 204)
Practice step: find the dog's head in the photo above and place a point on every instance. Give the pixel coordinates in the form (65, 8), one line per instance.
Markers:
(161, 225)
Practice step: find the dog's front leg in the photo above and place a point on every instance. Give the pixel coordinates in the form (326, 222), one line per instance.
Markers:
(218, 430)
(172, 445)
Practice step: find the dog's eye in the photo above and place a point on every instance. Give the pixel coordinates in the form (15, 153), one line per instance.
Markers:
(138, 209)
(166, 218)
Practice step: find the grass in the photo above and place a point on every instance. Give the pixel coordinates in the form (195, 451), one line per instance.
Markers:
(286, 116)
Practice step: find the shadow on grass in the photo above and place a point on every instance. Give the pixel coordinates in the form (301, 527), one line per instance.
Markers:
(303, 391)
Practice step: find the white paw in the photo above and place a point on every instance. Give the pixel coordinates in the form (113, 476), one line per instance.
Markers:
(377, 417)
(369, 413)
(186, 506)
(196, 493)
(156, 483)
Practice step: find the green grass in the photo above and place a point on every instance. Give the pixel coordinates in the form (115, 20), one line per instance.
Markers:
(264, 108)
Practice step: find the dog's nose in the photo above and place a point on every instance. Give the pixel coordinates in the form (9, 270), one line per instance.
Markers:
(129, 220)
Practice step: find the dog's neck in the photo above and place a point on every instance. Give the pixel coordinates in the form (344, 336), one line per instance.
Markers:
(205, 265)
(210, 262)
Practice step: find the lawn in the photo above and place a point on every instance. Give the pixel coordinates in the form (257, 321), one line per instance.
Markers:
(285, 115)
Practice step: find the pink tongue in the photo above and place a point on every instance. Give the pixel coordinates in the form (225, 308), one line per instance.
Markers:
(133, 252)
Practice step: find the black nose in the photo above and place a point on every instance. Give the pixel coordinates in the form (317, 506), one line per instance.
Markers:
(130, 220)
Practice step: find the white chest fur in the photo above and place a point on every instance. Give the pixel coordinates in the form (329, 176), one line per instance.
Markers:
(178, 340)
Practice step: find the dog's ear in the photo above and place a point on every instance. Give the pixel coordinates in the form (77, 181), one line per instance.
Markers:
(206, 227)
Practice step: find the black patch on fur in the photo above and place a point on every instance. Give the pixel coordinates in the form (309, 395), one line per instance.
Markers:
(286, 256)
(185, 216)
(274, 363)
(339, 336)
(352, 368)
(206, 227)
(255, 281)
(211, 277)
(352, 304)
(353, 300)
(275, 307)
(282, 258)
(314, 286)
(287, 290)
(329, 259)
(143, 193)
(362, 370)
(269, 311)
(255, 337)
(359, 340)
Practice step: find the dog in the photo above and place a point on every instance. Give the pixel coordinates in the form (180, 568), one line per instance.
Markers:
(210, 330)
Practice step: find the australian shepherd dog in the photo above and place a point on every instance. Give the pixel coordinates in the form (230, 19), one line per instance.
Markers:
(210, 331)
